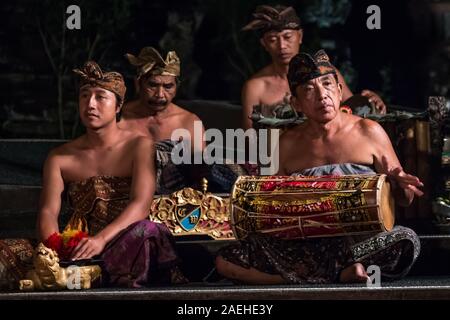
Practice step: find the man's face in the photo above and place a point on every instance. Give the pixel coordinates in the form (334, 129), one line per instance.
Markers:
(319, 99)
(97, 106)
(157, 92)
(282, 46)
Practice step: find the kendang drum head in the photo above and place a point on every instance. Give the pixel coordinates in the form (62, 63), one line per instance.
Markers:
(294, 207)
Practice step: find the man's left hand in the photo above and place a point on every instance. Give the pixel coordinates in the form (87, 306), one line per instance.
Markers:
(375, 101)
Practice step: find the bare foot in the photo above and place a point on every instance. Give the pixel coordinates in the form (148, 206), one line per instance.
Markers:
(353, 273)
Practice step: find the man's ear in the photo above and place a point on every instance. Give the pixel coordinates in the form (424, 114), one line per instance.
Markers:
(339, 85)
(137, 85)
(261, 40)
(119, 107)
(300, 36)
(295, 103)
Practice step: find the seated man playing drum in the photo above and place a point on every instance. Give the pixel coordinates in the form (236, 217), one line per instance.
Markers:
(330, 142)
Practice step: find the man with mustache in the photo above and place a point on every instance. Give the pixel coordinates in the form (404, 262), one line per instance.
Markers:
(281, 35)
(153, 113)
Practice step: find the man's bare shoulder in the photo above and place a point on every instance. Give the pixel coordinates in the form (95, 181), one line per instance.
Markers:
(254, 85)
(251, 93)
(68, 149)
(259, 81)
(184, 115)
(369, 127)
(140, 142)
(263, 73)
(371, 130)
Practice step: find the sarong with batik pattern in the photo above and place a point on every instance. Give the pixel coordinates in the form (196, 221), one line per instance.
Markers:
(141, 254)
(15, 260)
(322, 260)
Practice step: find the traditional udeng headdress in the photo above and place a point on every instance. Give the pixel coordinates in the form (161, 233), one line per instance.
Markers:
(91, 74)
(278, 18)
(304, 67)
(150, 61)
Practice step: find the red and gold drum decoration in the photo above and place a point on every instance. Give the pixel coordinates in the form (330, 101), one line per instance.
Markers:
(291, 207)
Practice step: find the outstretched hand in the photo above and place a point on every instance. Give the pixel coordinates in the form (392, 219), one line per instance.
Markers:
(375, 100)
(404, 180)
(88, 247)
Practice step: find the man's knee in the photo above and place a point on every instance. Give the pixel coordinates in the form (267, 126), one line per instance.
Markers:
(143, 224)
(220, 265)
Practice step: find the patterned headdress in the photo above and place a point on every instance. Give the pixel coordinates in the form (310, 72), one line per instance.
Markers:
(91, 74)
(304, 67)
(278, 18)
(150, 61)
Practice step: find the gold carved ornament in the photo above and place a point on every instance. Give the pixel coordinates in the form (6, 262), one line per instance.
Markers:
(47, 274)
(193, 212)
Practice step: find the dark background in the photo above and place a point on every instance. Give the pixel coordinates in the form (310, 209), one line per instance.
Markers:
(406, 61)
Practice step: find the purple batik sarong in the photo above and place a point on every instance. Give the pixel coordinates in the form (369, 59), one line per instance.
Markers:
(142, 254)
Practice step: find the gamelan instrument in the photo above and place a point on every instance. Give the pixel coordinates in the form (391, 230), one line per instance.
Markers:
(294, 207)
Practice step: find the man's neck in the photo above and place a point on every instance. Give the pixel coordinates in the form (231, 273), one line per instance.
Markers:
(280, 70)
(104, 137)
(325, 130)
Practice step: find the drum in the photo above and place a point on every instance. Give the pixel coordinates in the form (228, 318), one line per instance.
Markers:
(307, 207)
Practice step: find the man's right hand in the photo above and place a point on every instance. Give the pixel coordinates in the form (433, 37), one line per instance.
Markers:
(408, 183)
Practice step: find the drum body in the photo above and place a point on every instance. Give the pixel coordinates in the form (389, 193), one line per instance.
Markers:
(307, 207)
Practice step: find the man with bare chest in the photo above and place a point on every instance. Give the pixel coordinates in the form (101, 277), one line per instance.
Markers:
(281, 35)
(109, 176)
(153, 113)
(354, 136)
(330, 142)
(331, 137)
